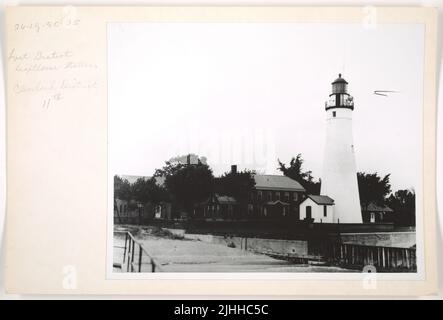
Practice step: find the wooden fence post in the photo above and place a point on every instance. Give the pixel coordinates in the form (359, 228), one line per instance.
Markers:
(140, 252)
(128, 256)
(132, 255)
(124, 252)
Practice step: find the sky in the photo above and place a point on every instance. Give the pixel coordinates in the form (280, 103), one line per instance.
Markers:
(252, 93)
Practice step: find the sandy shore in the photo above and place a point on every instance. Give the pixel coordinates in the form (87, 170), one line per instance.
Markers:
(179, 255)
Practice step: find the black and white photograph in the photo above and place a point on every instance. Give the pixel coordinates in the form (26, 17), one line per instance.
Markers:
(265, 147)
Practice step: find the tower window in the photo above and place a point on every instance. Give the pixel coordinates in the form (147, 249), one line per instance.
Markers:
(334, 114)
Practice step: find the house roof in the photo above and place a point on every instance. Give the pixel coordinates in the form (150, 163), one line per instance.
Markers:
(322, 200)
(272, 203)
(225, 199)
(220, 199)
(274, 182)
(374, 208)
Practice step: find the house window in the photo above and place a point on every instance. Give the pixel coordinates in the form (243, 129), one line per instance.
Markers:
(286, 196)
(269, 196)
(265, 211)
(259, 195)
(325, 211)
(295, 196)
(334, 114)
(277, 195)
(372, 217)
(250, 208)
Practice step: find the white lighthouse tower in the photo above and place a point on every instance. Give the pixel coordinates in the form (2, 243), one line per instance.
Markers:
(339, 180)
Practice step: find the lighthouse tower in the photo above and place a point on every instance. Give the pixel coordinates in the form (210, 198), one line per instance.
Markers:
(339, 180)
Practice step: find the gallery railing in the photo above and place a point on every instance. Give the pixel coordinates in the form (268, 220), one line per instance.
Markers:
(135, 255)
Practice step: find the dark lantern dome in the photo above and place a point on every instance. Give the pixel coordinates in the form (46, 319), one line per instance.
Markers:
(339, 80)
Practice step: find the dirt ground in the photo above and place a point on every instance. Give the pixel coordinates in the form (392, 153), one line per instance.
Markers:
(174, 254)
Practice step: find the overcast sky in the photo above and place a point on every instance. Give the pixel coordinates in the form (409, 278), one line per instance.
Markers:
(250, 93)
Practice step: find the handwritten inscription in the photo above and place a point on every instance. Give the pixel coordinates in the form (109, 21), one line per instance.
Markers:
(54, 85)
(52, 74)
(67, 17)
(38, 26)
(46, 61)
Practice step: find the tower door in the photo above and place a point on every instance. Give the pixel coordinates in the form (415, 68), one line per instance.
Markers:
(308, 212)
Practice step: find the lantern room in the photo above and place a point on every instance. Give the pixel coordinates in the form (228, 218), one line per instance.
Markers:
(340, 98)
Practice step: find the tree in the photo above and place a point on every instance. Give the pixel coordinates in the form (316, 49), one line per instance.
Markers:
(403, 204)
(169, 169)
(236, 184)
(295, 172)
(373, 188)
(192, 158)
(148, 191)
(188, 184)
(122, 188)
(122, 191)
(176, 163)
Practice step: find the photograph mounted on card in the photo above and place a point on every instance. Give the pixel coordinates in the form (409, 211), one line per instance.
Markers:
(198, 149)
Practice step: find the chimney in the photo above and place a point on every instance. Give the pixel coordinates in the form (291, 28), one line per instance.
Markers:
(234, 169)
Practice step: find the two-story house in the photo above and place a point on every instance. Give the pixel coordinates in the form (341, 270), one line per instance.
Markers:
(275, 196)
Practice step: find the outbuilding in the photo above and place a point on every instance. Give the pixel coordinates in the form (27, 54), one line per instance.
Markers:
(317, 208)
(373, 213)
